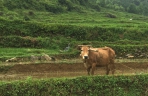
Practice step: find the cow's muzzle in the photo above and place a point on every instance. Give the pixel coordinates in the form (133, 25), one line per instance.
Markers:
(85, 57)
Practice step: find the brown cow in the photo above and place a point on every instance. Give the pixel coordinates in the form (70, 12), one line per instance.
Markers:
(93, 57)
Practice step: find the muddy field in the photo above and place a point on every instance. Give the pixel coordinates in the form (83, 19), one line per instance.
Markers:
(50, 70)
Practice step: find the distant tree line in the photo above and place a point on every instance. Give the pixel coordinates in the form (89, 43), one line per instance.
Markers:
(131, 6)
(55, 6)
(59, 6)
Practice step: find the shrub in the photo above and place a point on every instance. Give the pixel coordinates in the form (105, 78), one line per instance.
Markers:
(110, 15)
(96, 7)
(16, 41)
(53, 8)
(34, 29)
(96, 85)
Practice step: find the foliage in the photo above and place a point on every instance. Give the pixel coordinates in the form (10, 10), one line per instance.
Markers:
(53, 24)
(111, 15)
(24, 34)
(97, 85)
(34, 29)
(16, 41)
(131, 6)
(55, 6)
(60, 6)
(138, 51)
(7, 53)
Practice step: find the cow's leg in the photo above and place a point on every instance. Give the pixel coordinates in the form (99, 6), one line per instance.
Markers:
(88, 70)
(107, 69)
(113, 69)
(93, 69)
(112, 66)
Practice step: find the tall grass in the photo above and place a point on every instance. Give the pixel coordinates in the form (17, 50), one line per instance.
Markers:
(86, 86)
(85, 18)
(22, 52)
(91, 19)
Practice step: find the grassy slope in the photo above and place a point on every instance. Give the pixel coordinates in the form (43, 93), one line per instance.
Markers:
(7, 53)
(87, 17)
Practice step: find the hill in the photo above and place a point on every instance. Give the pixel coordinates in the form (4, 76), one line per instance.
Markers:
(43, 9)
(55, 23)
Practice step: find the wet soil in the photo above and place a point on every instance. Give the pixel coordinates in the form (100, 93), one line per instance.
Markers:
(54, 70)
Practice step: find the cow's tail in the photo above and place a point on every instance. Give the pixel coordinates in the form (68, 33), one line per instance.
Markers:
(112, 60)
(111, 55)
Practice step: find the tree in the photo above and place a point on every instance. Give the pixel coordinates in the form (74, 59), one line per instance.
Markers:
(136, 2)
(132, 8)
(102, 3)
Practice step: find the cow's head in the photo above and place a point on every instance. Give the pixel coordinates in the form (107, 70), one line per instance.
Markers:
(84, 51)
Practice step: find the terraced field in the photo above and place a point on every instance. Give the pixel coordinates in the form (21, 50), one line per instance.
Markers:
(72, 69)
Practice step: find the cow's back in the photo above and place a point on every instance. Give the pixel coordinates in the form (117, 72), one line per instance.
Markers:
(106, 55)
(103, 56)
(109, 51)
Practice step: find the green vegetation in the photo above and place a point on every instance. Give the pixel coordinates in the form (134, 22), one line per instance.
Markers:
(96, 85)
(7, 53)
(59, 6)
(53, 24)
(33, 27)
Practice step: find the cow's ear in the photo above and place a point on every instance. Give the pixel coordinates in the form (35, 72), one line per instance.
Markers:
(90, 47)
(79, 47)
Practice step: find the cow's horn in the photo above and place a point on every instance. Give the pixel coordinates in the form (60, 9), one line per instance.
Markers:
(80, 45)
(85, 45)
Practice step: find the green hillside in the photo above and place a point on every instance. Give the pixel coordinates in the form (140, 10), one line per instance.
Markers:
(55, 23)
(47, 10)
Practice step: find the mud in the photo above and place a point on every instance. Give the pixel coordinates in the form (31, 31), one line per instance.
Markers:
(54, 70)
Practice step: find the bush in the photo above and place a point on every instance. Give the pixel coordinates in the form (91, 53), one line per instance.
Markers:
(110, 15)
(16, 41)
(96, 7)
(87, 86)
(32, 5)
(53, 8)
(34, 29)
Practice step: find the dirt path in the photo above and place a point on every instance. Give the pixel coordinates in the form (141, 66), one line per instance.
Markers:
(50, 70)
